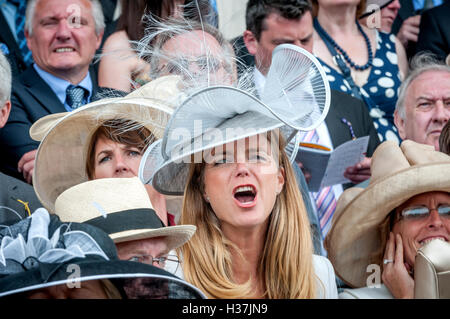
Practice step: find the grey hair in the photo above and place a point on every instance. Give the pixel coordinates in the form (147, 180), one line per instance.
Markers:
(97, 14)
(150, 47)
(420, 64)
(5, 78)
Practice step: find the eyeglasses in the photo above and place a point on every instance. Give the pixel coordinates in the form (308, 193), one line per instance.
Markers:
(419, 212)
(169, 263)
(181, 65)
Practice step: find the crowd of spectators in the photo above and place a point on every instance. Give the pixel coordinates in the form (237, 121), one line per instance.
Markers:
(105, 103)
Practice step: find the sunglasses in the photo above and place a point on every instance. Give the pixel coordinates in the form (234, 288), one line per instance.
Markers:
(422, 212)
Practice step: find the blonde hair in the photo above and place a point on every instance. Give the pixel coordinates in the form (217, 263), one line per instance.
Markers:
(286, 265)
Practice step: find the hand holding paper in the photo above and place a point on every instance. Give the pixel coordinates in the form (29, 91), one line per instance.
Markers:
(328, 168)
(360, 172)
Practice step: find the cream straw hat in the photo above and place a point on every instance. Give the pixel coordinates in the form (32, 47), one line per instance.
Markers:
(356, 238)
(61, 156)
(121, 208)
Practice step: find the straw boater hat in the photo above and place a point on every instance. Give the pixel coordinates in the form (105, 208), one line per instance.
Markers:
(36, 252)
(61, 156)
(121, 208)
(361, 220)
(296, 97)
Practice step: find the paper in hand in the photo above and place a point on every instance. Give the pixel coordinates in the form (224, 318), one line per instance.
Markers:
(327, 167)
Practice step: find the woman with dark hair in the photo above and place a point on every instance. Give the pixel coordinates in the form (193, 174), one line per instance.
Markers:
(120, 67)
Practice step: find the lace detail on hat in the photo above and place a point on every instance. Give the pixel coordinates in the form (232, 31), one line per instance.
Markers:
(31, 245)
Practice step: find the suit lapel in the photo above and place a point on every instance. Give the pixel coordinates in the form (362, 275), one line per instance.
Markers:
(95, 87)
(37, 87)
(339, 132)
(333, 124)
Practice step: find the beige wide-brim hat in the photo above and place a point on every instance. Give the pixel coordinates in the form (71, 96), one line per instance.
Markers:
(121, 208)
(356, 238)
(61, 157)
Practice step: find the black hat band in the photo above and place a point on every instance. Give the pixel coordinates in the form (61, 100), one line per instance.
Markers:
(133, 219)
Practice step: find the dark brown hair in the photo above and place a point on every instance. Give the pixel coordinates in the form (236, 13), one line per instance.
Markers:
(120, 131)
(258, 10)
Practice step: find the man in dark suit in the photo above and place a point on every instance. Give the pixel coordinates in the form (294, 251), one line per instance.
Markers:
(270, 23)
(434, 33)
(17, 199)
(9, 13)
(63, 36)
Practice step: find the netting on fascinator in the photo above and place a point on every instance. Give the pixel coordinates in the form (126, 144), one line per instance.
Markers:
(192, 49)
(41, 252)
(28, 243)
(296, 97)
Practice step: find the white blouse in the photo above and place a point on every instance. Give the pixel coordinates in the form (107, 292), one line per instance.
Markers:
(326, 280)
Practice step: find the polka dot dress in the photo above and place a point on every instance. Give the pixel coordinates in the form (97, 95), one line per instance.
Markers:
(380, 93)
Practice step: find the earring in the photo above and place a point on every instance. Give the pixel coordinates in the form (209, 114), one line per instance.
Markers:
(207, 199)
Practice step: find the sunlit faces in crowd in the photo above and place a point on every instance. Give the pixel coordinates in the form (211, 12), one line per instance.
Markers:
(422, 218)
(426, 108)
(63, 37)
(278, 30)
(242, 180)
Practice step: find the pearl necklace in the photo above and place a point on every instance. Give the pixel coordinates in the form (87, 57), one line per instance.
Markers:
(352, 64)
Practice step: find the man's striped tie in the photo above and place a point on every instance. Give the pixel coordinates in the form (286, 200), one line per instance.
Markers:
(324, 198)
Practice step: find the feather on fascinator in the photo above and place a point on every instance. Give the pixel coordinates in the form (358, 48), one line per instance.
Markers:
(194, 50)
(41, 251)
(296, 97)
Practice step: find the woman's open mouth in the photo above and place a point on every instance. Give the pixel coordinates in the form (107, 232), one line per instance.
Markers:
(245, 195)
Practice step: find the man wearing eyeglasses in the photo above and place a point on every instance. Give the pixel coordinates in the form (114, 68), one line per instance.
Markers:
(423, 106)
(197, 52)
(121, 208)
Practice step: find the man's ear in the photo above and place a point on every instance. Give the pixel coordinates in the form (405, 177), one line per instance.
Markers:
(4, 113)
(400, 124)
(250, 42)
(99, 39)
(27, 37)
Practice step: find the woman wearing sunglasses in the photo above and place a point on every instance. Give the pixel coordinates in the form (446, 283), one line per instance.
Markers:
(405, 206)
